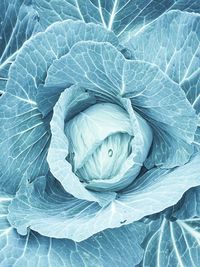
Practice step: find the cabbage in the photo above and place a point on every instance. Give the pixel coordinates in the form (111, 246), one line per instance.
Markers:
(100, 133)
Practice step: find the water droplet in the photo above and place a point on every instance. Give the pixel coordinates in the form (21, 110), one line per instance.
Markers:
(110, 152)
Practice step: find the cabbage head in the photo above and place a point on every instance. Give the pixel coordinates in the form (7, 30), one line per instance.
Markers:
(99, 133)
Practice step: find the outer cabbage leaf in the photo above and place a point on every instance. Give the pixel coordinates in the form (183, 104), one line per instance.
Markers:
(174, 240)
(39, 53)
(187, 207)
(121, 16)
(24, 132)
(172, 243)
(112, 247)
(45, 200)
(19, 20)
(172, 42)
(24, 140)
(102, 69)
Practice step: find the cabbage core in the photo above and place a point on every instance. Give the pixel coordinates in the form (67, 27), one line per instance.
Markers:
(107, 159)
(101, 141)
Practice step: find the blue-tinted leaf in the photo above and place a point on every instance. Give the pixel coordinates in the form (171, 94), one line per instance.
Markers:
(102, 69)
(37, 55)
(188, 206)
(110, 247)
(19, 20)
(172, 243)
(197, 136)
(45, 200)
(172, 42)
(52, 11)
(23, 142)
(94, 66)
(70, 33)
(187, 5)
(119, 16)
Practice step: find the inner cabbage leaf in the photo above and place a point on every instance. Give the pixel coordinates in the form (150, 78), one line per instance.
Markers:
(104, 148)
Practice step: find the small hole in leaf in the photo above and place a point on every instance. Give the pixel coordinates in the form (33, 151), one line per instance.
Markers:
(110, 152)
